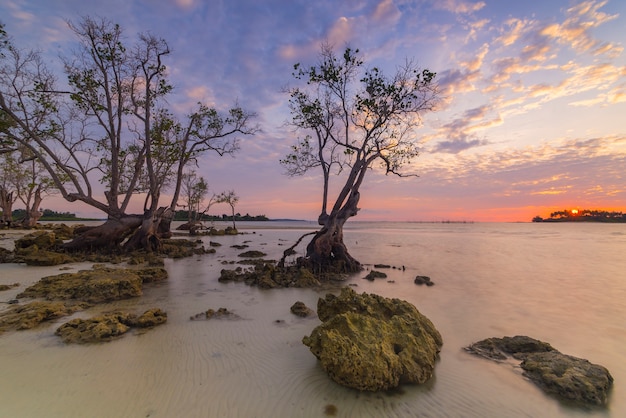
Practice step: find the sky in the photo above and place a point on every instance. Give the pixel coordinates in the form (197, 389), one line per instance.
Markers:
(532, 118)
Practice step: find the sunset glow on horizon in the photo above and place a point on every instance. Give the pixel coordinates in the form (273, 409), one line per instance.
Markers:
(531, 119)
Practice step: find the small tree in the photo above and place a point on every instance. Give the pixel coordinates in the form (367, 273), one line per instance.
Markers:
(353, 118)
(231, 199)
(194, 190)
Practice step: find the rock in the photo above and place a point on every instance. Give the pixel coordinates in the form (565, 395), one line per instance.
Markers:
(300, 309)
(63, 232)
(252, 254)
(152, 274)
(382, 266)
(372, 343)
(44, 240)
(98, 329)
(6, 256)
(106, 327)
(305, 278)
(45, 258)
(423, 280)
(151, 318)
(94, 286)
(266, 275)
(221, 313)
(29, 316)
(567, 377)
(372, 275)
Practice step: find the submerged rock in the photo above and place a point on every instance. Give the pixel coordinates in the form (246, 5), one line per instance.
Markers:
(372, 275)
(559, 374)
(372, 343)
(423, 280)
(267, 276)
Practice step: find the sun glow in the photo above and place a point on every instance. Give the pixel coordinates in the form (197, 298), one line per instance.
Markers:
(574, 211)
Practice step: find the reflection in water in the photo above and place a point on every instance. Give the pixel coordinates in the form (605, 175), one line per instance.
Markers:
(564, 284)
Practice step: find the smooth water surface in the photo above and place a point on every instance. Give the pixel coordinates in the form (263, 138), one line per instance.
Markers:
(560, 283)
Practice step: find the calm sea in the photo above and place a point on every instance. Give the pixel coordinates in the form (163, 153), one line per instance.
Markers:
(560, 283)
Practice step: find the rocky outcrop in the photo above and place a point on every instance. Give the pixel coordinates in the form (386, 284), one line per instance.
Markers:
(221, 313)
(102, 284)
(372, 343)
(20, 317)
(106, 327)
(562, 375)
(267, 276)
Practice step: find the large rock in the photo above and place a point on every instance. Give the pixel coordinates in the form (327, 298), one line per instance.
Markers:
(372, 343)
(559, 374)
(94, 286)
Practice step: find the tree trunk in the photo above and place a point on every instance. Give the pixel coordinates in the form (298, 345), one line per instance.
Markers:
(6, 204)
(107, 236)
(153, 229)
(327, 252)
(33, 213)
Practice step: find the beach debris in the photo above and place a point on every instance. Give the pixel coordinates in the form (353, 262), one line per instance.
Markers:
(107, 327)
(372, 275)
(564, 376)
(423, 280)
(372, 343)
(300, 309)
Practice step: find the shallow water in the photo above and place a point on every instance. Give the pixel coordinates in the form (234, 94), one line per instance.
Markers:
(561, 283)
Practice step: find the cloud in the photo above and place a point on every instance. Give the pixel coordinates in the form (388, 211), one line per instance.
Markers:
(575, 31)
(458, 6)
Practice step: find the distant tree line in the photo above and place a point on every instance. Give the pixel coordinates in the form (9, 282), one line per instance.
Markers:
(183, 215)
(583, 215)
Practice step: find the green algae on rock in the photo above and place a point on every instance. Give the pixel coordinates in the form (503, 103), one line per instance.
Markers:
(372, 343)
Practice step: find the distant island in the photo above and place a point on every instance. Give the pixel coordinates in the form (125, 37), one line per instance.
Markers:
(584, 215)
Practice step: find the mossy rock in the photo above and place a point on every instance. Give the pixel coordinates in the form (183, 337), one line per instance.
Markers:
(93, 286)
(44, 240)
(104, 328)
(301, 310)
(150, 318)
(98, 329)
(20, 317)
(372, 343)
(45, 258)
(566, 377)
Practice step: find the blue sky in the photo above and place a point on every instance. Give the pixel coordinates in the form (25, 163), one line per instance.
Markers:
(534, 94)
